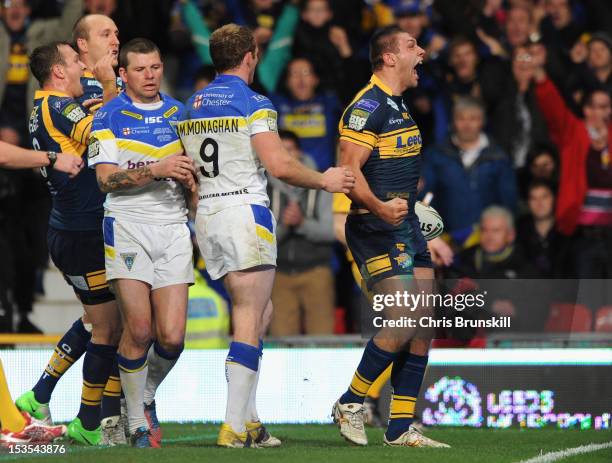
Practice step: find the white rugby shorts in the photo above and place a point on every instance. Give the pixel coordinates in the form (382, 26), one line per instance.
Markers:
(236, 238)
(160, 255)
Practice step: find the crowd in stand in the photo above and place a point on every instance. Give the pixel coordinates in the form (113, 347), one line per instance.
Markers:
(513, 106)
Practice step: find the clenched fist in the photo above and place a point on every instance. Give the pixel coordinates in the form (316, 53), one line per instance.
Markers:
(68, 163)
(393, 211)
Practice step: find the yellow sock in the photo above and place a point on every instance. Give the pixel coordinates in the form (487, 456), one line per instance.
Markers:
(113, 387)
(10, 417)
(379, 383)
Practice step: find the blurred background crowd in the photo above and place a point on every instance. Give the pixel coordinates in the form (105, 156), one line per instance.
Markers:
(513, 106)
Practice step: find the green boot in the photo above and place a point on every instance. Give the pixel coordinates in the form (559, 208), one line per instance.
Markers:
(28, 403)
(78, 433)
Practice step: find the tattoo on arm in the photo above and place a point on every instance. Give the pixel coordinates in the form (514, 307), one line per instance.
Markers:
(125, 179)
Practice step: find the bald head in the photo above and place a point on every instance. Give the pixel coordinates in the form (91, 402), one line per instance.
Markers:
(94, 36)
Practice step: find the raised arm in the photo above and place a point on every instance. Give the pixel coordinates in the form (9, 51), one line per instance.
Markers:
(278, 53)
(561, 122)
(200, 32)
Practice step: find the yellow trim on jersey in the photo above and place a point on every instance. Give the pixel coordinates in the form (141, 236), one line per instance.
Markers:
(67, 145)
(379, 83)
(260, 114)
(264, 233)
(45, 93)
(356, 142)
(387, 146)
(94, 108)
(82, 129)
(359, 138)
(366, 138)
(171, 111)
(398, 132)
(150, 150)
(131, 114)
(360, 93)
(104, 134)
(378, 264)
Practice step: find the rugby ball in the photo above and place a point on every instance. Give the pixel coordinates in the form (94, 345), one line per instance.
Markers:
(432, 225)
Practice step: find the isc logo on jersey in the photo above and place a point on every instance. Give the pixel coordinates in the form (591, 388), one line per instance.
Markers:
(154, 120)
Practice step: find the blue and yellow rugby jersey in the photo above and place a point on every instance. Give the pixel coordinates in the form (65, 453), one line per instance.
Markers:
(133, 135)
(216, 130)
(93, 89)
(378, 120)
(59, 123)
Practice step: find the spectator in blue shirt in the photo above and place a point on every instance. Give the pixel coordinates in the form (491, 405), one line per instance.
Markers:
(468, 172)
(310, 114)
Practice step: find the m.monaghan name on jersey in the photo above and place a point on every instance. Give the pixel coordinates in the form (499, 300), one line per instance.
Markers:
(203, 126)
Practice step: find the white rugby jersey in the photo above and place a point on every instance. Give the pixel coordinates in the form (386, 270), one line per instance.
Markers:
(131, 137)
(216, 129)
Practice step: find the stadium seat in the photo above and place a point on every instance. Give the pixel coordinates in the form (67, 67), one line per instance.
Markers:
(603, 320)
(567, 317)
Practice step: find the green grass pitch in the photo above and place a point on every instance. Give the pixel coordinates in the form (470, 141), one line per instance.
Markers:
(191, 443)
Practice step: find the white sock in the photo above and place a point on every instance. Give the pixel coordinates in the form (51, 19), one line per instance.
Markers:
(133, 384)
(240, 380)
(159, 368)
(252, 414)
